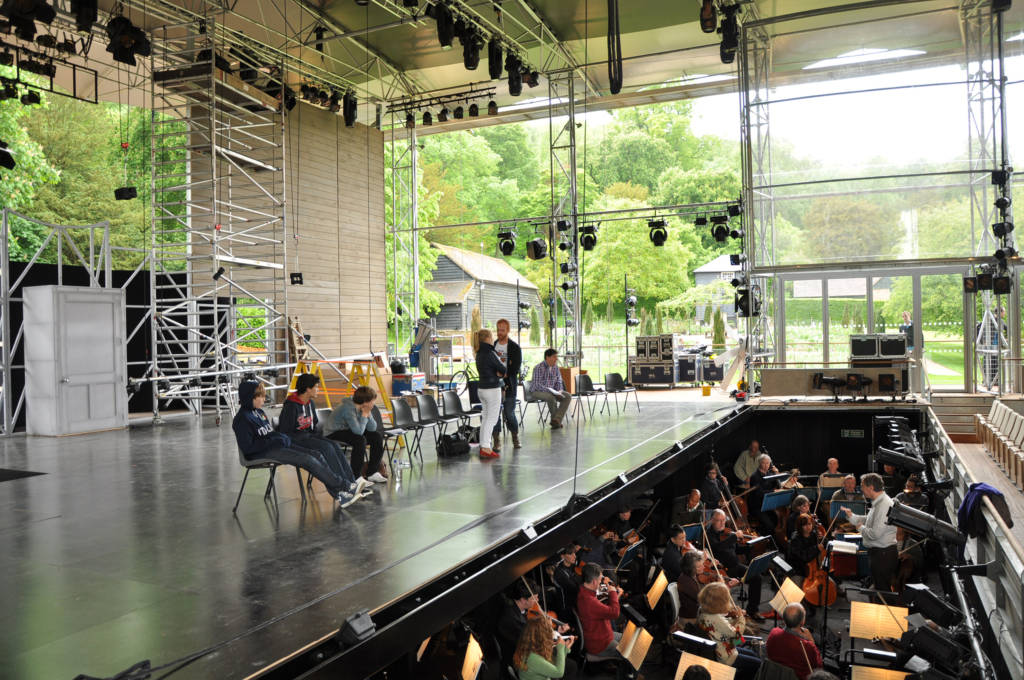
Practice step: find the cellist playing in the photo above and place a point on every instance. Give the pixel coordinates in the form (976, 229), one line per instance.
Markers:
(803, 547)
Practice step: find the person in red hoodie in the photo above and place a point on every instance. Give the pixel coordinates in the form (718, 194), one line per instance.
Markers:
(793, 646)
(595, 616)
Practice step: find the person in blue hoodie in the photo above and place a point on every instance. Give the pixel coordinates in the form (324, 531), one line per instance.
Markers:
(299, 421)
(257, 439)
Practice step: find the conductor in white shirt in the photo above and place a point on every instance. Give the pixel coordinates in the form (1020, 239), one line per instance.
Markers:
(877, 535)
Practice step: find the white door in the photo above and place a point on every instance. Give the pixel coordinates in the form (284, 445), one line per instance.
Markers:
(92, 367)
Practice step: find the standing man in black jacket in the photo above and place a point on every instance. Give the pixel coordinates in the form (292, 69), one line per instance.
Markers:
(512, 356)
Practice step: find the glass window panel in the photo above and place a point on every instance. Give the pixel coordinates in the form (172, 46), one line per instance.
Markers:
(847, 315)
(803, 323)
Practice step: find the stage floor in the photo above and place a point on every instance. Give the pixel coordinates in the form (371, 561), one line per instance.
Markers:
(126, 549)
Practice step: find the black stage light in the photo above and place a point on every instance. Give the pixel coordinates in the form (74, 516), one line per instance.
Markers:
(66, 46)
(410, 3)
(736, 233)
(334, 103)
(126, 40)
(738, 281)
(6, 58)
(523, 305)
(886, 382)
(730, 34)
(471, 44)
(445, 25)
(442, 115)
(1003, 202)
(531, 77)
(289, 98)
(307, 92)
(46, 40)
(514, 67)
(708, 16)
(700, 221)
(630, 302)
(474, 110)
(1001, 285)
(897, 459)
(492, 108)
(494, 57)
(734, 210)
(1001, 5)
(5, 27)
(24, 14)
(1000, 177)
(427, 118)
(9, 90)
(563, 245)
(125, 193)
(1001, 229)
(741, 302)
(349, 109)
(6, 159)
(720, 228)
(1003, 253)
(29, 98)
(736, 259)
(322, 98)
(632, 322)
(363, 3)
(588, 236)
(923, 524)
(506, 242)
(985, 281)
(567, 268)
(563, 225)
(524, 324)
(568, 285)
(921, 599)
(658, 232)
(970, 284)
(459, 113)
(536, 249)
(410, 120)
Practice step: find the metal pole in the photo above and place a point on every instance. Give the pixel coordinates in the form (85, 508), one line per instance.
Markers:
(7, 355)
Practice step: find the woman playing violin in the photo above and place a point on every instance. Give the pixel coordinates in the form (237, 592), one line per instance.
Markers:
(536, 656)
(723, 621)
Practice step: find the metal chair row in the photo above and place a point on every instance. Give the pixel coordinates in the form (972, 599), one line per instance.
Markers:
(613, 385)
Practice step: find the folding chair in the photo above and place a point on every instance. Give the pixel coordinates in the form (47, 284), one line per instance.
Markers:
(263, 464)
(585, 390)
(402, 419)
(613, 384)
(453, 407)
(431, 417)
(388, 434)
(527, 400)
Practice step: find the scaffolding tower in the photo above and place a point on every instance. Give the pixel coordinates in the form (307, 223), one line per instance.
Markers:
(218, 289)
(403, 227)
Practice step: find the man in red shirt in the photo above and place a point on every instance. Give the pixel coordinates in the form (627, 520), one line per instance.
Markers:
(793, 646)
(596, 617)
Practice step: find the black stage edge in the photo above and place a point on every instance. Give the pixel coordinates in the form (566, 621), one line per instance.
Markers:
(402, 625)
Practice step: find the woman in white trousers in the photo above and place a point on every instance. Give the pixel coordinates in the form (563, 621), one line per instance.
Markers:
(490, 371)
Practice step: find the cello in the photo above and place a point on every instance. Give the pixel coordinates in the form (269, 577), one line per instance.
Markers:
(819, 588)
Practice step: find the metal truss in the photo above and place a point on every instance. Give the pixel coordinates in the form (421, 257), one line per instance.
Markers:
(403, 228)
(563, 228)
(219, 299)
(987, 142)
(755, 67)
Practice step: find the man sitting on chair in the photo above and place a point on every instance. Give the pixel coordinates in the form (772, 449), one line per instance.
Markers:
(546, 384)
(352, 423)
(257, 440)
(596, 617)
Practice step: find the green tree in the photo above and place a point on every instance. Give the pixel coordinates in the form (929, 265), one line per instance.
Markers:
(609, 311)
(634, 156)
(534, 327)
(588, 319)
(512, 144)
(707, 315)
(718, 334)
(841, 228)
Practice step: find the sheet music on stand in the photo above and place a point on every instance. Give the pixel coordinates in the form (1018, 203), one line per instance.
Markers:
(634, 644)
(423, 648)
(869, 621)
(657, 589)
(829, 480)
(718, 671)
(873, 673)
(473, 660)
(788, 593)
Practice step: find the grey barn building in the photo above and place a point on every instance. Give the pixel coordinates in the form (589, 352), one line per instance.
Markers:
(468, 280)
(718, 269)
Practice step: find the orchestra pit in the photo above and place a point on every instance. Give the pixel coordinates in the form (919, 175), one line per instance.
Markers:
(511, 339)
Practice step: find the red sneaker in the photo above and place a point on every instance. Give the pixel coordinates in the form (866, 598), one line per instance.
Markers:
(488, 453)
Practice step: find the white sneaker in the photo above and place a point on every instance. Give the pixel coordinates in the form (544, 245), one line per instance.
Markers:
(346, 499)
(361, 485)
(379, 478)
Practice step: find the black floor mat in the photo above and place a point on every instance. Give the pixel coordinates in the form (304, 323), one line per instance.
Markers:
(7, 475)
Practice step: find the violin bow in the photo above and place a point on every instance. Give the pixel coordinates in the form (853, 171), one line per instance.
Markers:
(707, 546)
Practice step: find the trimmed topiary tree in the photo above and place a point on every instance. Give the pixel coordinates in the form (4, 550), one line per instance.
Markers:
(588, 319)
(718, 334)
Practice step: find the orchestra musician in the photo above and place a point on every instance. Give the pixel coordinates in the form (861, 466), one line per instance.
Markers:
(713, 488)
(595, 616)
(675, 549)
(723, 621)
(767, 520)
(793, 646)
(912, 494)
(800, 506)
(723, 545)
(803, 544)
(895, 480)
(688, 588)
(538, 657)
(693, 512)
(832, 469)
(878, 536)
(849, 491)
(746, 464)
(565, 575)
(513, 617)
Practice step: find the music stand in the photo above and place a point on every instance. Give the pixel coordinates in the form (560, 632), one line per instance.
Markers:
(627, 557)
(759, 565)
(858, 507)
(808, 492)
(718, 671)
(829, 480)
(657, 589)
(693, 531)
(777, 499)
(634, 644)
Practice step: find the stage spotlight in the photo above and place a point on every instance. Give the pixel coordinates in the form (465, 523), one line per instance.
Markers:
(445, 24)
(736, 259)
(46, 40)
(985, 281)
(471, 44)
(970, 284)
(921, 599)
(631, 302)
(736, 233)
(567, 268)
(9, 90)
(708, 16)
(632, 322)
(720, 228)
(568, 285)
(6, 159)
(307, 92)
(24, 14)
(658, 232)
(363, 3)
(563, 225)
(427, 118)
(734, 210)
(66, 46)
(700, 221)
(442, 115)
(29, 98)
(738, 280)
(507, 242)
(1001, 285)
(523, 305)
(492, 108)
(745, 303)
(730, 34)
(588, 236)
(125, 193)
(459, 113)
(531, 77)
(1003, 253)
(1003, 202)
(474, 110)
(322, 98)
(349, 109)
(536, 249)
(410, 121)
(524, 324)
(494, 57)
(334, 104)
(514, 67)
(1001, 229)
(923, 524)
(126, 40)
(897, 459)
(563, 245)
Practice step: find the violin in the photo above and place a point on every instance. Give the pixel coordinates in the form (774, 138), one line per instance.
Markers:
(536, 612)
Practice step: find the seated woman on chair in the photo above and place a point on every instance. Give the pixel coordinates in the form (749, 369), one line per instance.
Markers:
(723, 622)
(257, 440)
(352, 423)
